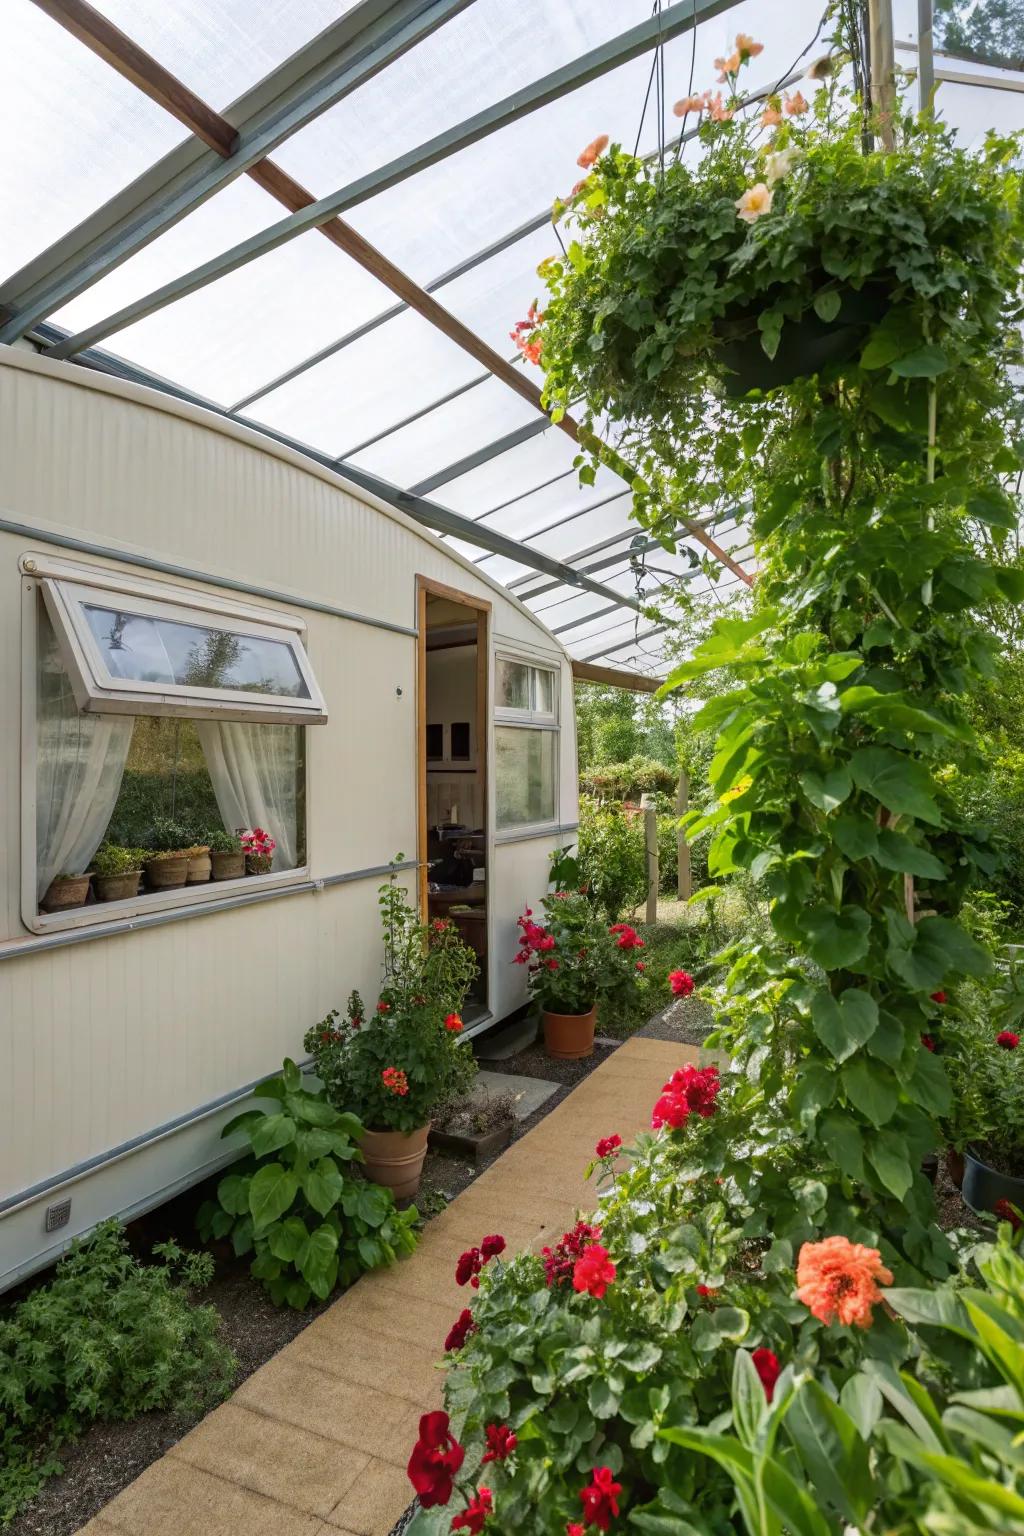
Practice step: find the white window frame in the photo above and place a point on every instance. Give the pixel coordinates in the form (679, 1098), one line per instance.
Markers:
(534, 720)
(67, 589)
(35, 570)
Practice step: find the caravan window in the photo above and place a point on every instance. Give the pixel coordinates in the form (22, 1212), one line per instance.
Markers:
(526, 743)
(145, 736)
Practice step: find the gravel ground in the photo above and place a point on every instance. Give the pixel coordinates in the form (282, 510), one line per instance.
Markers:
(688, 1020)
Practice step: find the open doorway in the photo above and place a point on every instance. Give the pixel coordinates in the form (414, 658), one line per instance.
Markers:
(452, 762)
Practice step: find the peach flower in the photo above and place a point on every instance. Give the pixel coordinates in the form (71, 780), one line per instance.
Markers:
(771, 117)
(839, 1279)
(795, 104)
(717, 109)
(728, 67)
(688, 104)
(747, 48)
(754, 202)
(593, 151)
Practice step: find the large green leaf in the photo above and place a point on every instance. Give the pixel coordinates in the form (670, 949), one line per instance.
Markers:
(924, 363)
(233, 1193)
(711, 1329)
(287, 1237)
(814, 1091)
(311, 1108)
(896, 851)
(836, 940)
(929, 1085)
(845, 1023)
(317, 1260)
(896, 781)
(887, 1153)
(841, 1138)
(322, 1185)
(871, 1088)
(271, 1191)
(857, 836)
(827, 790)
(924, 954)
(832, 1452)
(275, 1132)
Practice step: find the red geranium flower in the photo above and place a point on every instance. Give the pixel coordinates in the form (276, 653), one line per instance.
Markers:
(546, 943)
(501, 1442)
(928, 1041)
(766, 1364)
(706, 1290)
(460, 1330)
(453, 1023)
(435, 1460)
(1005, 1211)
(699, 1086)
(938, 997)
(574, 1529)
(383, 1007)
(641, 965)
(560, 1261)
(594, 1271)
(671, 1109)
(474, 1516)
(468, 1267)
(600, 1498)
(491, 1246)
(1008, 1040)
(607, 1146)
(395, 1080)
(681, 983)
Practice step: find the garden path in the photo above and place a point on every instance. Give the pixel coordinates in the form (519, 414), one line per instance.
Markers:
(315, 1442)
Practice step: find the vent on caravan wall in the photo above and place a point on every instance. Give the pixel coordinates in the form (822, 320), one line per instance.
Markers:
(58, 1215)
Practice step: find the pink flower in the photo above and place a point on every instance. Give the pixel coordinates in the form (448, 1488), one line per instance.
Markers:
(594, 1271)
(681, 983)
(728, 67)
(747, 48)
(718, 111)
(755, 203)
(593, 152)
(771, 117)
(687, 105)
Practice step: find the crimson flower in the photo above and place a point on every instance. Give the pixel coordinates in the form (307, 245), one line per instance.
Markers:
(560, 1261)
(681, 983)
(1005, 1211)
(383, 1007)
(1008, 1040)
(672, 1110)
(928, 1041)
(552, 965)
(546, 943)
(699, 1086)
(766, 1364)
(574, 1529)
(938, 997)
(435, 1460)
(460, 1330)
(475, 1514)
(706, 1290)
(501, 1442)
(453, 1023)
(600, 1498)
(641, 965)
(491, 1246)
(468, 1267)
(608, 1146)
(594, 1271)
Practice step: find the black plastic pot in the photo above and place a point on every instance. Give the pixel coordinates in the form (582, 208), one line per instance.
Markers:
(805, 347)
(984, 1186)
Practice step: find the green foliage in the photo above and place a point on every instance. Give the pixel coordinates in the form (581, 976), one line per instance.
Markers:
(111, 860)
(106, 1338)
(573, 957)
(629, 780)
(614, 725)
(991, 31)
(612, 861)
(144, 799)
(294, 1202)
(222, 842)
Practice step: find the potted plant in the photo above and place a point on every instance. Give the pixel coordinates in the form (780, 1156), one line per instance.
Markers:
(227, 857)
(258, 847)
(200, 867)
(396, 1066)
(985, 1063)
(166, 860)
(65, 891)
(116, 872)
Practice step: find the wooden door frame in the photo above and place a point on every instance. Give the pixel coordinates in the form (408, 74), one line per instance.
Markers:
(426, 587)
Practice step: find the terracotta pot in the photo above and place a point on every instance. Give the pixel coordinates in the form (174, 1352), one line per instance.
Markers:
(569, 1036)
(258, 863)
(984, 1187)
(117, 887)
(955, 1166)
(228, 866)
(199, 868)
(395, 1159)
(64, 892)
(167, 874)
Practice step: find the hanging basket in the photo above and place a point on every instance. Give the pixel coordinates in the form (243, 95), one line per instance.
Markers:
(806, 346)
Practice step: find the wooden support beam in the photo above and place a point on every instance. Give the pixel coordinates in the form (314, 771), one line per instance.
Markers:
(615, 677)
(136, 65)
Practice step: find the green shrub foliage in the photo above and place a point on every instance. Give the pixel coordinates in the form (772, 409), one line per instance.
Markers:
(294, 1202)
(107, 1338)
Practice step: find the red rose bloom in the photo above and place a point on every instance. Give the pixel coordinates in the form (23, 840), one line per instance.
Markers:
(475, 1515)
(938, 997)
(594, 1271)
(491, 1246)
(460, 1330)
(766, 1364)
(600, 1499)
(607, 1146)
(501, 1442)
(453, 1023)
(681, 983)
(1007, 1039)
(435, 1460)
(928, 1041)
(1005, 1211)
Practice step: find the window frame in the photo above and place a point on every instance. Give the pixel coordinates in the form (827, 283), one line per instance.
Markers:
(211, 895)
(66, 590)
(547, 721)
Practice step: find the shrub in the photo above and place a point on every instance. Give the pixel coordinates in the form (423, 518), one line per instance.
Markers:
(110, 860)
(611, 857)
(293, 1202)
(629, 780)
(107, 1338)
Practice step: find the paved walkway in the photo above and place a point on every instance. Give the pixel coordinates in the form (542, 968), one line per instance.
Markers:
(315, 1442)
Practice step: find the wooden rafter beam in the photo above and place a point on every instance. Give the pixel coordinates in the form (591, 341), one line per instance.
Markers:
(615, 677)
(136, 65)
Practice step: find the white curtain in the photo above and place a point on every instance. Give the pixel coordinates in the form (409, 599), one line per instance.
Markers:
(255, 771)
(79, 765)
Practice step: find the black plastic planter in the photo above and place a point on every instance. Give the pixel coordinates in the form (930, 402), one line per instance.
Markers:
(984, 1186)
(805, 346)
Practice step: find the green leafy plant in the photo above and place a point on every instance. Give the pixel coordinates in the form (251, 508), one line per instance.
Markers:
(573, 957)
(166, 836)
(611, 857)
(294, 1202)
(110, 860)
(219, 841)
(107, 1338)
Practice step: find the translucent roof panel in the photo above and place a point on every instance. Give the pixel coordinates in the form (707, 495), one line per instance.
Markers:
(220, 48)
(519, 468)
(73, 131)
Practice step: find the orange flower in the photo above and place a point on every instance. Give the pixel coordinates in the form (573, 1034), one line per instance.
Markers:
(728, 67)
(839, 1279)
(688, 104)
(771, 117)
(754, 202)
(795, 104)
(746, 47)
(719, 112)
(593, 151)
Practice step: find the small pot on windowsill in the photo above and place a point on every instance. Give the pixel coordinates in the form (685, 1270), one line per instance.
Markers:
(569, 1036)
(227, 866)
(167, 871)
(200, 867)
(984, 1186)
(65, 892)
(258, 863)
(117, 887)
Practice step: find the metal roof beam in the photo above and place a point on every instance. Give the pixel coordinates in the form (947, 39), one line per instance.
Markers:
(349, 52)
(483, 455)
(562, 521)
(645, 634)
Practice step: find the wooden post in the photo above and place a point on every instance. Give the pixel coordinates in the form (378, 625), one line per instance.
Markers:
(651, 846)
(684, 876)
(882, 50)
(925, 57)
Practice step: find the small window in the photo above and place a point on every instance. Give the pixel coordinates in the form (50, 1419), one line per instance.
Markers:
(525, 775)
(435, 743)
(524, 690)
(460, 741)
(127, 652)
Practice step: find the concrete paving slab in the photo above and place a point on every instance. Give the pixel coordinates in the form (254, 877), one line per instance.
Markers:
(529, 1092)
(172, 1498)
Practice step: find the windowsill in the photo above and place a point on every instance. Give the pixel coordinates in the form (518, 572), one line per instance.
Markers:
(210, 892)
(528, 829)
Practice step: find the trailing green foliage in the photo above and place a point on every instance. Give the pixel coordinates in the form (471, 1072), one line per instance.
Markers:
(106, 1338)
(294, 1202)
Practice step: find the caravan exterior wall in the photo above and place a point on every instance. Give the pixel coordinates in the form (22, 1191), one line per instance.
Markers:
(125, 1049)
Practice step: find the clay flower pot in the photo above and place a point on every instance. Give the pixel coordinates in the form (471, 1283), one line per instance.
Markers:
(395, 1159)
(569, 1036)
(167, 874)
(65, 892)
(984, 1187)
(200, 868)
(117, 887)
(228, 866)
